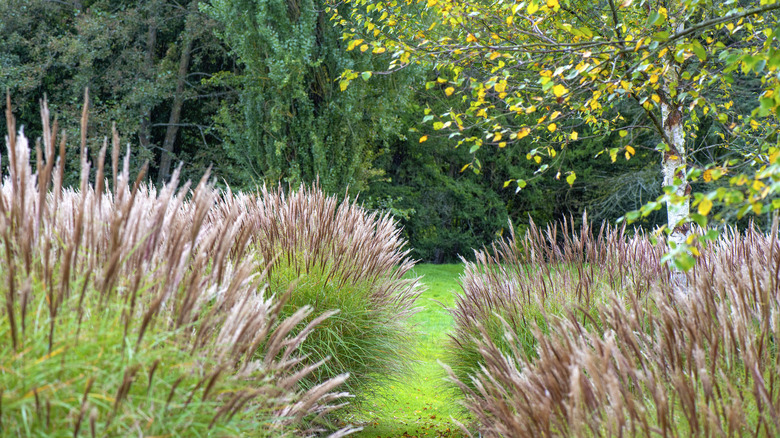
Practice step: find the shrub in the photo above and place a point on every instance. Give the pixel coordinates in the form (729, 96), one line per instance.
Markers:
(131, 312)
(696, 362)
(335, 255)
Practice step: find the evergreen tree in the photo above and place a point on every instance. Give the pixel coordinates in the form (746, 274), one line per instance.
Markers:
(293, 123)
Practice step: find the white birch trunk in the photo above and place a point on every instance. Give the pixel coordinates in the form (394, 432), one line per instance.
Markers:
(673, 163)
(674, 168)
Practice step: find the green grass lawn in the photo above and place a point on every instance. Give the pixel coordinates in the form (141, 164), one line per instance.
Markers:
(420, 404)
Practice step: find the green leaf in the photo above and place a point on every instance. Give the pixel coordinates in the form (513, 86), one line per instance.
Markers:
(631, 216)
(700, 219)
(654, 19)
(759, 66)
(699, 51)
(684, 261)
(366, 75)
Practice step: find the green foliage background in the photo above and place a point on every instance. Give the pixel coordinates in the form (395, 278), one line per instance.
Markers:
(261, 104)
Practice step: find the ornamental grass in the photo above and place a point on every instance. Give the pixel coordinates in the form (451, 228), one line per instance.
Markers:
(646, 359)
(129, 311)
(335, 255)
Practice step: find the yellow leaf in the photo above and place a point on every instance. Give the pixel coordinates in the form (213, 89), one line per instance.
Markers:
(522, 133)
(500, 87)
(449, 91)
(656, 98)
(559, 90)
(502, 144)
(465, 167)
(628, 156)
(538, 159)
(423, 138)
(630, 150)
(707, 175)
(364, 47)
(653, 79)
(705, 206)
(379, 50)
(552, 127)
(573, 136)
(623, 133)
(532, 7)
(554, 115)
(553, 4)
(432, 3)
(470, 38)
(695, 251)
(497, 136)
(494, 55)
(757, 207)
(530, 109)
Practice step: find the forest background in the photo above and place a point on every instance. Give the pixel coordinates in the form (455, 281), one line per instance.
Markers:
(192, 83)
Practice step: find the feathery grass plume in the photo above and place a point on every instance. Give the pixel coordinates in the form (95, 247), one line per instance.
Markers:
(126, 312)
(522, 281)
(336, 255)
(705, 363)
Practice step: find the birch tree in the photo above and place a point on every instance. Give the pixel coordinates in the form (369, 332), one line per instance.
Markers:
(570, 64)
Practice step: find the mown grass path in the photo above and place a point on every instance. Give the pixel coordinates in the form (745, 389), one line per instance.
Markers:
(421, 404)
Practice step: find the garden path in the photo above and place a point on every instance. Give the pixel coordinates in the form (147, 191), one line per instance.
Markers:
(420, 404)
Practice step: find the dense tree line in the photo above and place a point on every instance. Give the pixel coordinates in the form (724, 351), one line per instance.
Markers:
(250, 89)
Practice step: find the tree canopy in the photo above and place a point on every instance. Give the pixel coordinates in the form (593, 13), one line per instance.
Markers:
(545, 75)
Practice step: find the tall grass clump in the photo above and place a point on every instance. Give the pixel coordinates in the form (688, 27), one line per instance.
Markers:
(523, 281)
(668, 362)
(336, 255)
(128, 311)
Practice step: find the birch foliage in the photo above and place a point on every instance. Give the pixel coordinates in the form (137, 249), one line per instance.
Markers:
(554, 72)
